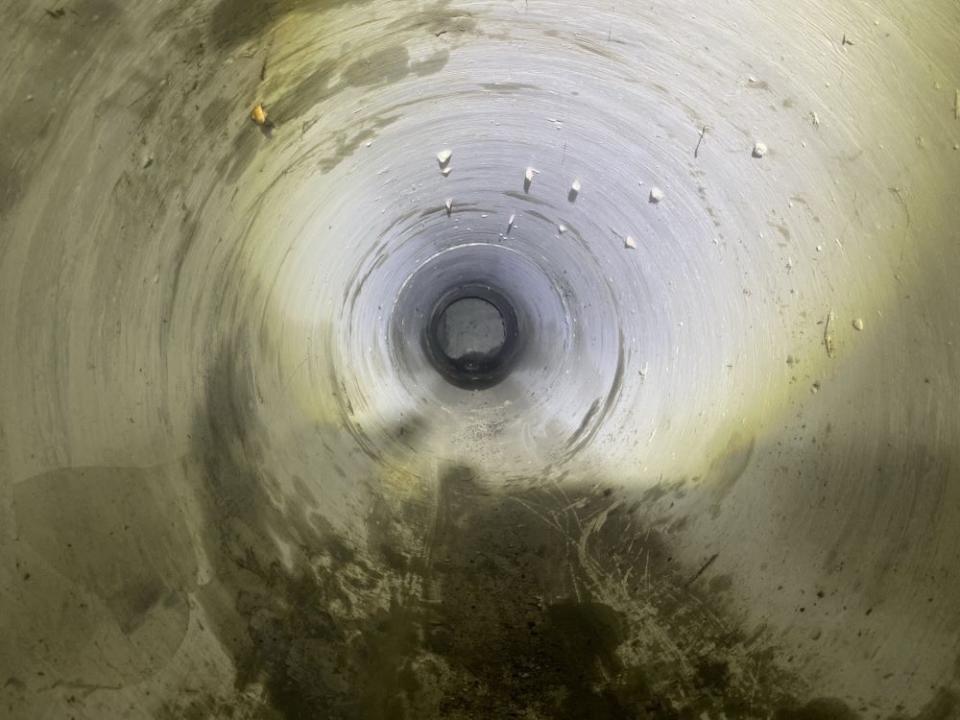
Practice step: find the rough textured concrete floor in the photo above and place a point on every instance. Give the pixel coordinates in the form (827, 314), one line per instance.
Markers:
(722, 481)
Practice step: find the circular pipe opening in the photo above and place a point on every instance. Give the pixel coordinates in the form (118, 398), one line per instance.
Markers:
(470, 328)
(472, 336)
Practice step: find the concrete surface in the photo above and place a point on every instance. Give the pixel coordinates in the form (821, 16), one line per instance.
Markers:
(723, 479)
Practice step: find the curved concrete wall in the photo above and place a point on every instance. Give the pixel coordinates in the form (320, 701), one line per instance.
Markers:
(722, 479)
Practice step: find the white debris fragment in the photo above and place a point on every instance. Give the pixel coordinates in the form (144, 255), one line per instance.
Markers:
(530, 174)
(656, 195)
(574, 190)
(815, 118)
(759, 150)
(858, 324)
(449, 205)
(443, 157)
(630, 243)
(510, 223)
(446, 171)
(561, 228)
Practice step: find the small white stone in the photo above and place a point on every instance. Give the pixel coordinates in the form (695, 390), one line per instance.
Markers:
(449, 205)
(858, 324)
(443, 157)
(759, 150)
(561, 228)
(510, 222)
(656, 195)
(630, 243)
(446, 171)
(575, 186)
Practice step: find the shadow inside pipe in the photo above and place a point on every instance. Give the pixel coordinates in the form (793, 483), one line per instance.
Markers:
(466, 601)
(460, 598)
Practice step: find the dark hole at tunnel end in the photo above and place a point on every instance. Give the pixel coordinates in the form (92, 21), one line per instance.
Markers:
(478, 369)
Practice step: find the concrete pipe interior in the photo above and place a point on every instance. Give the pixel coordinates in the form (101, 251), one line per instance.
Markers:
(522, 359)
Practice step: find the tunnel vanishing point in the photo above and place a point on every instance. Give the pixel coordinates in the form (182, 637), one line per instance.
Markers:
(461, 359)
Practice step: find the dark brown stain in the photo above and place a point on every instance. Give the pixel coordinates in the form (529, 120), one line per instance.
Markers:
(346, 144)
(244, 148)
(508, 88)
(818, 709)
(598, 49)
(216, 115)
(525, 197)
(236, 21)
(720, 583)
(382, 67)
(312, 88)
(433, 64)
(438, 19)
(781, 228)
(11, 185)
